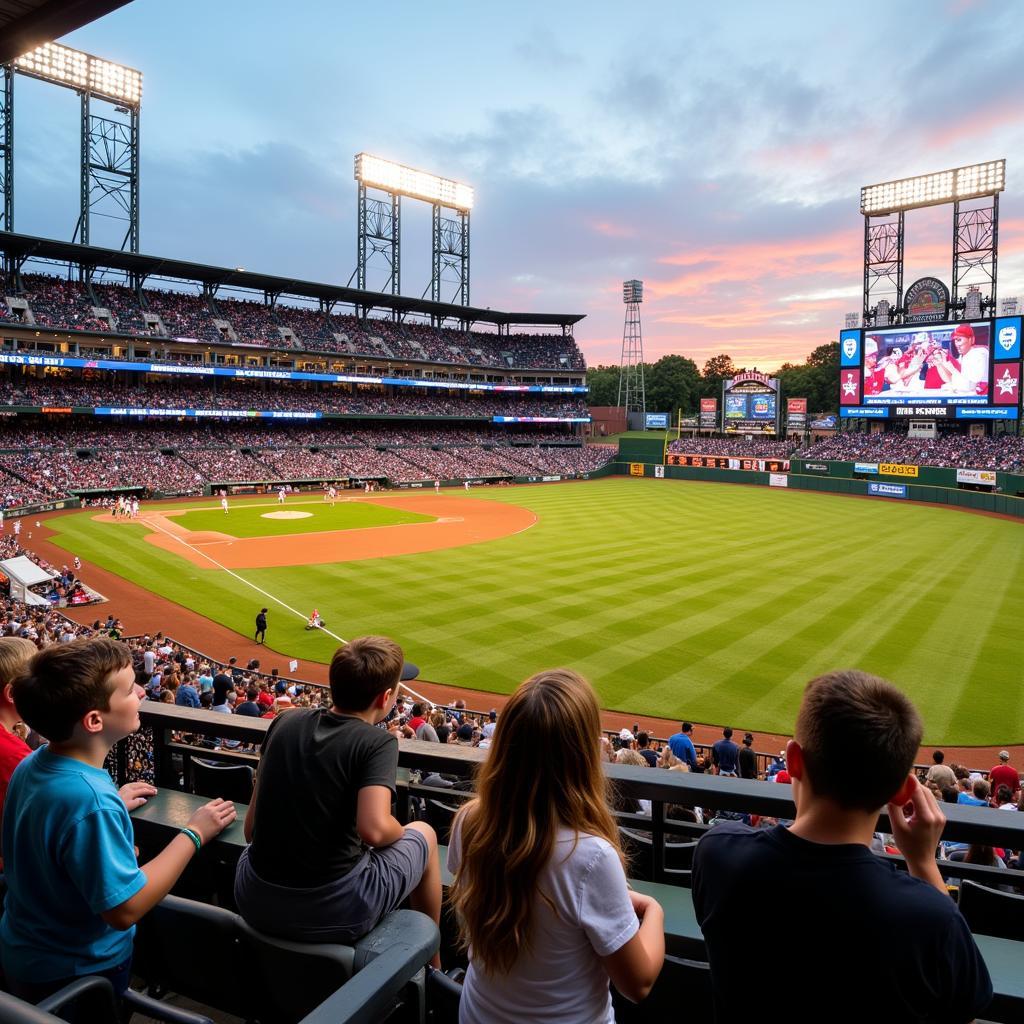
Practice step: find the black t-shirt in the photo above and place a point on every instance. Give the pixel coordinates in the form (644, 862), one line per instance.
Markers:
(314, 763)
(863, 941)
(222, 685)
(748, 763)
(649, 756)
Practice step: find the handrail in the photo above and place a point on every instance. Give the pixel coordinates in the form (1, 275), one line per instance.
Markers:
(964, 824)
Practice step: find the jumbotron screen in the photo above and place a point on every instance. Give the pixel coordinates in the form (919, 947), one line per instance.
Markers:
(964, 370)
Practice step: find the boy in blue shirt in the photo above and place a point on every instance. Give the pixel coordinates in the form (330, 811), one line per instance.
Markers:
(75, 889)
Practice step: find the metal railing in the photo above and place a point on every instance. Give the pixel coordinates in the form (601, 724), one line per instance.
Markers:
(664, 789)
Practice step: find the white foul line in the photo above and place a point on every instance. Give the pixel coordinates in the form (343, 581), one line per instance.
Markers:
(260, 590)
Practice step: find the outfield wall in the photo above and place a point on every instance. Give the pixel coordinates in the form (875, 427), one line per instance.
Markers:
(979, 501)
(928, 476)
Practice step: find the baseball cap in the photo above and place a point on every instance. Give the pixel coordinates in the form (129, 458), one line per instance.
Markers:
(782, 776)
(964, 331)
(871, 347)
(1004, 755)
(625, 734)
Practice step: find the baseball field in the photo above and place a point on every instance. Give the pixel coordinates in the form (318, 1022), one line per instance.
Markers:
(707, 601)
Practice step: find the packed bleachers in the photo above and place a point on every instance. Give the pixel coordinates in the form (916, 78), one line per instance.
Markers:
(44, 463)
(58, 303)
(1004, 452)
(740, 447)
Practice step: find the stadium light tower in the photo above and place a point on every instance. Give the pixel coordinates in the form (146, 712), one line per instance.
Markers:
(109, 173)
(975, 230)
(632, 393)
(379, 222)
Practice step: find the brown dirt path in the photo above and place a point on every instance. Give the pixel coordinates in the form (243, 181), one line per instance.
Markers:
(144, 611)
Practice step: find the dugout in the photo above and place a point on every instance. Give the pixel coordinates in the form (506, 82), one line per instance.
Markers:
(23, 574)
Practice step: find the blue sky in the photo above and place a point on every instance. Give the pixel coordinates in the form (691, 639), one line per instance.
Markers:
(715, 151)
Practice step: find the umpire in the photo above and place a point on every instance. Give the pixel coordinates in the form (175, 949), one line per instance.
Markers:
(261, 626)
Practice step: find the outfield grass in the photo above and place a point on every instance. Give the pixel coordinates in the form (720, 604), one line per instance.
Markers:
(247, 519)
(714, 602)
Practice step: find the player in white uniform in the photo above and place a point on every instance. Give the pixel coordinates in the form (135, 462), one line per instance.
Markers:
(465, 483)
(972, 376)
(437, 486)
(224, 505)
(280, 496)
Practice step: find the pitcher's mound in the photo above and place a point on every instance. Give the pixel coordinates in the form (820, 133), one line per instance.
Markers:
(286, 515)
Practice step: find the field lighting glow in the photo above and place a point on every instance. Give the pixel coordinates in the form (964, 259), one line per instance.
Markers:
(376, 172)
(970, 182)
(77, 70)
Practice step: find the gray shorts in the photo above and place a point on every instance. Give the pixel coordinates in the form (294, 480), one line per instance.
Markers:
(342, 910)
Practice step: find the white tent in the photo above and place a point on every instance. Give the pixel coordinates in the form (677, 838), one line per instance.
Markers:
(24, 573)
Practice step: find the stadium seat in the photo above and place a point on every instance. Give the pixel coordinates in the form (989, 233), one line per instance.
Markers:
(262, 977)
(230, 781)
(639, 847)
(991, 912)
(681, 984)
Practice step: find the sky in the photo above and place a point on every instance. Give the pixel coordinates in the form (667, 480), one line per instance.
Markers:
(715, 151)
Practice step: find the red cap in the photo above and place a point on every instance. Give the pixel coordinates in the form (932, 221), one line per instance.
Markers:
(964, 331)
(782, 776)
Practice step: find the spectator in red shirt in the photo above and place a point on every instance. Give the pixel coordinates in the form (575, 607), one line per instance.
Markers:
(1004, 774)
(15, 653)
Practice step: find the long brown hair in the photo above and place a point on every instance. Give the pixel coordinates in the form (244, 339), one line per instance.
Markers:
(543, 772)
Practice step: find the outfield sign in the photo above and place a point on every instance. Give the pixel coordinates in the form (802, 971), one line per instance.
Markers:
(656, 421)
(865, 467)
(122, 366)
(815, 467)
(896, 469)
(728, 462)
(708, 413)
(659, 472)
(888, 490)
(778, 480)
(984, 477)
(636, 469)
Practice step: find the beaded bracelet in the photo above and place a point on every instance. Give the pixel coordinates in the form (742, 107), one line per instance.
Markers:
(194, 836)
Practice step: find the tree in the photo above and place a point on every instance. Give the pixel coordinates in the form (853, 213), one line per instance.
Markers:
(673, 384)
(716, 369)
(603, 382)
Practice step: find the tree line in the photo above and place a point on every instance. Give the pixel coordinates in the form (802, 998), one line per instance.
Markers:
(675, 385)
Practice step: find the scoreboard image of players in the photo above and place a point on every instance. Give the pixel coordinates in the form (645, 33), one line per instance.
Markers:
(965, 370)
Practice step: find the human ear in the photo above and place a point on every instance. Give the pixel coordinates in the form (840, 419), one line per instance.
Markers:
(905, 793)
(794, 760)
(93, 721)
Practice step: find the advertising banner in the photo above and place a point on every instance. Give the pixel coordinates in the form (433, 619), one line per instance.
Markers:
(888, 490)
(708, 413)
(796, 415)
(659, 472)
(897, 469)
(865, 467)
(815, 467)
(636, 469)
(656, 421)
(985, 477)
(778, 480)
(728, 462)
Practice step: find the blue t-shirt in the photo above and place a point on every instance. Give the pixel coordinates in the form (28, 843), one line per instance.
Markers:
(68, 857)
(682, 746)
(971, 801)
(186, 696)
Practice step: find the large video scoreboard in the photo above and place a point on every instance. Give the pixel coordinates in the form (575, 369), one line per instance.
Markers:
(967, 370)
(750, 404)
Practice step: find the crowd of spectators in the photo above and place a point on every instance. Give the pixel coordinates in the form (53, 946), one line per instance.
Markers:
(736, 447)
(67, 304)
(1004, 452)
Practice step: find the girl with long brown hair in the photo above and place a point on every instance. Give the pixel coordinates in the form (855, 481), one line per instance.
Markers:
(539, 883)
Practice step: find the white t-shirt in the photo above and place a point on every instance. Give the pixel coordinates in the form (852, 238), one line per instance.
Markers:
(559, 977)
(973, 370)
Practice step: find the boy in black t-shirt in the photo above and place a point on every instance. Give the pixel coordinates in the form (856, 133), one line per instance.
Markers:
(873, 939)
(323, 800)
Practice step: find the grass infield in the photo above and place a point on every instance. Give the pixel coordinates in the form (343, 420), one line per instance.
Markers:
(713, 602)
(249, 520)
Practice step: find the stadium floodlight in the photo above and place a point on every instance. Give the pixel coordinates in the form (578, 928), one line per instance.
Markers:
(376, 172)
(632, 292)
(62, 65)
(971, 182)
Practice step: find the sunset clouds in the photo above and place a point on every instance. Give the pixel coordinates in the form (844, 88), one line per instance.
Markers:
(715, 151)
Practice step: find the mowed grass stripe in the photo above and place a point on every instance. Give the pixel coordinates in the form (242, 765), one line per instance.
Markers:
(708, 601)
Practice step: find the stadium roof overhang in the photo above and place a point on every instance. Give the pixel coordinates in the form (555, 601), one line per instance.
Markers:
(26, 247)
(26, 24)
